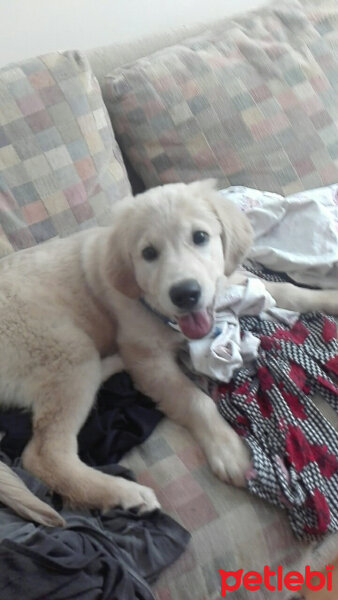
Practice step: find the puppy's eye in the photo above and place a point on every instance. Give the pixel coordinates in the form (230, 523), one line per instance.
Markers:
(200, 237)
(149, 253)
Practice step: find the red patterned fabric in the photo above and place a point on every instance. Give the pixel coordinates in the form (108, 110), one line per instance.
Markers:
(294, 448)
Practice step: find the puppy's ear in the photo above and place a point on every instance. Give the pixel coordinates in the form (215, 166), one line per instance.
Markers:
(237, 233)
(121, 274)
(118, 264)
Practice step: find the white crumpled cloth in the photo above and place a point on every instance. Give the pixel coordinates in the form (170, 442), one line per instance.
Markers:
(297, 234)
(226, 349)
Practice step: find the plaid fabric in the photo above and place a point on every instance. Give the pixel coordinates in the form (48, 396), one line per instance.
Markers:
(60, 166)
(251, 102)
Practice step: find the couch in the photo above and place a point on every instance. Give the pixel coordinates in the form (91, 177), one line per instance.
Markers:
(251, 101)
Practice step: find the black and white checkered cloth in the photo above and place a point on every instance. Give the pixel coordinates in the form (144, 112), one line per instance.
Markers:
(294, 447)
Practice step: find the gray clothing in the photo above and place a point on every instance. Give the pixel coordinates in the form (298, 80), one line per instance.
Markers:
(96, 557)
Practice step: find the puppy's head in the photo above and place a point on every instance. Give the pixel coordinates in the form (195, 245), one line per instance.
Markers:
(170, 246)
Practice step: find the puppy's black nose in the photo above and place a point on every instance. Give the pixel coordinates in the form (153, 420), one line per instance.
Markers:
(185, 294)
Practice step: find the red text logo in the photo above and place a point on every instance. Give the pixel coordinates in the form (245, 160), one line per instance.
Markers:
(275, 580)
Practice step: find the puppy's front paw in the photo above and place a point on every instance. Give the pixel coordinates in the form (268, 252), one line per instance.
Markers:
(134, 495)
(228, 457)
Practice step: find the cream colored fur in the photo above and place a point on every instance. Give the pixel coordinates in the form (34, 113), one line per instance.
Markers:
(68, 306)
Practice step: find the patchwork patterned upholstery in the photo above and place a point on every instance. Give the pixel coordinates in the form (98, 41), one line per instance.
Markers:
(253, 102)
(60, 166)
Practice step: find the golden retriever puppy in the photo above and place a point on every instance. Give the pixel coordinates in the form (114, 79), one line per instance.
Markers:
(68, 306)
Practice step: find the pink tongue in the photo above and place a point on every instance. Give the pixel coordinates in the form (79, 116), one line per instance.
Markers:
(195, 325)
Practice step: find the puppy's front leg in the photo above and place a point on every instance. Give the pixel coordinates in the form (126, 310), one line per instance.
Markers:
(158, 376)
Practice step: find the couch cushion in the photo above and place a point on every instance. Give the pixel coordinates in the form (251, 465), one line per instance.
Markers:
(60, 166)
(252, 101)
